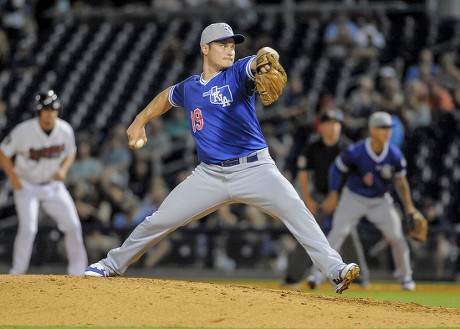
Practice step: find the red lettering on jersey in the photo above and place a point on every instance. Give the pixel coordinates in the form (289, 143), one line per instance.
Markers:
(51, 152)
(197, 120)
(368, 179)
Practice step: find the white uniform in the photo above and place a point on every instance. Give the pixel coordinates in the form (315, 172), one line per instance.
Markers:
(38, 157)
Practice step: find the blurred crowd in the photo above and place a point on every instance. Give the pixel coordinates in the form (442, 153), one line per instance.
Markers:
(114, 188)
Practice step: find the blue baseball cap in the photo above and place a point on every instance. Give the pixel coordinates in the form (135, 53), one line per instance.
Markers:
(218, 32)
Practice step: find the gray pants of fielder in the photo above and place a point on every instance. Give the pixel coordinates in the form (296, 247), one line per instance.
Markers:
(381, 212)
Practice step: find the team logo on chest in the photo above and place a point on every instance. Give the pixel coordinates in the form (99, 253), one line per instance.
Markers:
(52, 152)
(219, 95)
(386, 171)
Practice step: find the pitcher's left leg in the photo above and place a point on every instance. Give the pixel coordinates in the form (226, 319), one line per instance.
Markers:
(266, 188)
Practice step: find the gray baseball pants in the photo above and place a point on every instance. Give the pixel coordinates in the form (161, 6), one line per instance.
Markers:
(210, 187)
(381, 212)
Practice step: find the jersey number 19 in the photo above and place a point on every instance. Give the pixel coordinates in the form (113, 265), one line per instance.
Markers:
(197, 120)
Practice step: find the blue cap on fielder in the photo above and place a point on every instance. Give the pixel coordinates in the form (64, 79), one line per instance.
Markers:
(218, 32)
(380, 120)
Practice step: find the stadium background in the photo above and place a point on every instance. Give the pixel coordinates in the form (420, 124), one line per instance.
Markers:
(107, 59)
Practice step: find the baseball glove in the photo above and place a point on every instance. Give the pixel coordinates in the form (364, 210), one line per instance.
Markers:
(270, 84)
(417, 226)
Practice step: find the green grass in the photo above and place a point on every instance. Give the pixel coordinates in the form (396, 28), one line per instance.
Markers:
(431, 298)
(429, 294)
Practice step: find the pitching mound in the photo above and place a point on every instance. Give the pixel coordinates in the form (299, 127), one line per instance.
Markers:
(54, 300)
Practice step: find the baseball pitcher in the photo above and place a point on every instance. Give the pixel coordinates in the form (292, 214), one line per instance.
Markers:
(236, 166)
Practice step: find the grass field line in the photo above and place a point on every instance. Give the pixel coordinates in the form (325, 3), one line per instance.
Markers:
(444, 294)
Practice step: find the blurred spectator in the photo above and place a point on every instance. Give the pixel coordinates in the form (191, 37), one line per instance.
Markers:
(416, 111)
(177, 125)
(279, 145)
(97, 232)
(195, 3)
(5, 50)
(391, 94)
(294, 95)
(159, 145)
(3, 115)
(222, 218)
(156, 194)
(167, 5)
(369, 41)
(86, 200)
(425, 76)
(246, 48)
(425, 60)
(129, 216)
(268, 247)
(86, 168)
(295, 105)
(148, 205)
(116, 157)
(340, 36)
(295, 101)
(92, 3)
(439, 98)
(115, 151)
(174, 50)
(449, 75)
(263, 40)
(140, 171)
(19, 23)
(363, 101)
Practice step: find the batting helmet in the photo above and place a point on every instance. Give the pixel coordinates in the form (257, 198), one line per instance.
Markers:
(47, 99)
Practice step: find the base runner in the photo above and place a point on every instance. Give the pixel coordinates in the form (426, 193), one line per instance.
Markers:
(44, 149)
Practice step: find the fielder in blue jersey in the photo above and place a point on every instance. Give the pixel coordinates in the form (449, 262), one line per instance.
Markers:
(235, 166)
(371, 166)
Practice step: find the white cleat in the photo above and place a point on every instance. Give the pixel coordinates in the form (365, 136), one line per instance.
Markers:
(96, 269)
(313, 282)
(345, 276)
(408, 285)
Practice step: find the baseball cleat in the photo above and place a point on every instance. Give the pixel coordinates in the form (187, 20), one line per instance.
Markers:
(345, 276)
(408, 285)
(312, 282)
(96, 269)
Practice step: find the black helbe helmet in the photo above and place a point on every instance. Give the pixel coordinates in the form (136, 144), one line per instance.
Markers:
(47, 99)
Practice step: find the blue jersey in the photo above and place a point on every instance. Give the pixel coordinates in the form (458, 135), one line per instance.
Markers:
(368, 174)
(222, 112)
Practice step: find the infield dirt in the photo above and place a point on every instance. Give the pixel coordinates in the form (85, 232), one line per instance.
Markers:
(60, 300)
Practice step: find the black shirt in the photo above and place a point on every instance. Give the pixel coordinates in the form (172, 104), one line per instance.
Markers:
(317, 157)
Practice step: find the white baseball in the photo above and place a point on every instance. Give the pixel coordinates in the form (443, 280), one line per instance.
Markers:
(139, 143)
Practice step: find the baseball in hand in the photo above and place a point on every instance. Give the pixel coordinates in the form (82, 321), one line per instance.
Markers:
(139, 143)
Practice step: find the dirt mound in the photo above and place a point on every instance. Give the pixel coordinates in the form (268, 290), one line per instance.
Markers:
(58, 300)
